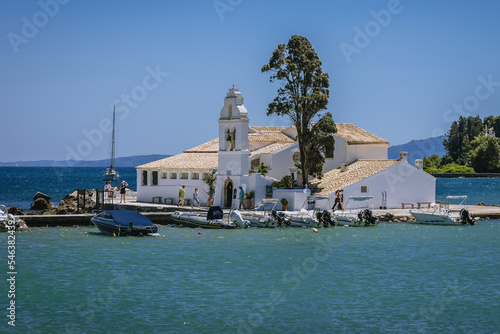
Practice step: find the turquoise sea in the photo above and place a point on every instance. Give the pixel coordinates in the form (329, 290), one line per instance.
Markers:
(393, 278)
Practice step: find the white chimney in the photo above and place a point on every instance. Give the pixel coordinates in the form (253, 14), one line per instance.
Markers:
(403, 156)
(343, 167)
(419, 163)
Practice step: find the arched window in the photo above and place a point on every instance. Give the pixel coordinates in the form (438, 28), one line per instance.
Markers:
(233, 139)
(230, 111)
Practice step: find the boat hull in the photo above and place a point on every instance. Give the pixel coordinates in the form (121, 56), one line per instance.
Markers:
(353, 222)
(109, 227)
(200, 220)
(433, 219)
(124, 223)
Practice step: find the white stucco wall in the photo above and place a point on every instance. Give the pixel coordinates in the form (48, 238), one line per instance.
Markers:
(366, 151)
(295, 197)
(169, 188)
(402, 183)
(339, 155)
(282, 161)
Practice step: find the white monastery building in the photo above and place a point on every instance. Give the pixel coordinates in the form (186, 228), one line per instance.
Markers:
(358, 165)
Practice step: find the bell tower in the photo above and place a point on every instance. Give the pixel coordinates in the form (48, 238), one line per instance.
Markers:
(233, 153)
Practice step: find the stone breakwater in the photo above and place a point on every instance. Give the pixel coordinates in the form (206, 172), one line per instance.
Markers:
(71, 203)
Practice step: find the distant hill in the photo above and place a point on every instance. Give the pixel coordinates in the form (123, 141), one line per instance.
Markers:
(131, 161)
(418, 149)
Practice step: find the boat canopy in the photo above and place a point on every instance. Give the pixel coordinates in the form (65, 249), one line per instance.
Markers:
(317, 198)
(124, 217)
(457, 197)
(360, 198)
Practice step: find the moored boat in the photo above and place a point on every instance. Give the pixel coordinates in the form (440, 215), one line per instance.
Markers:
(312, 214)
(261, 216)
(444, 215)
(110, 174)
(362, 218)
(211, 219)
(124, 223)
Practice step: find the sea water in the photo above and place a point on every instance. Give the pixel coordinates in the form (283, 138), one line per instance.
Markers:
(393, 278)
(18, 185)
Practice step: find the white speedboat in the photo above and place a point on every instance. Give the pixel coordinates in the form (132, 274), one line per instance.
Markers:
(357, 217)
(443, 215)
(312, 214)
(212, 219)
(261, 216)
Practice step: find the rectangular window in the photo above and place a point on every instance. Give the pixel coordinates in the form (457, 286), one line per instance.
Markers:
(164, 175)
(195, 176)
(184, 175)
(173, 175)
(255, 163)
(144, 177)
(205, 175)
(329, 153)
(364, 189)
(154, 178)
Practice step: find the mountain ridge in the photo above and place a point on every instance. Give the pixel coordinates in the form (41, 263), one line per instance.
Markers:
(130, 161)
(418, 149)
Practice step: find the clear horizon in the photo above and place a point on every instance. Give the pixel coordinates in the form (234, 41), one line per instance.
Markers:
(403, 70)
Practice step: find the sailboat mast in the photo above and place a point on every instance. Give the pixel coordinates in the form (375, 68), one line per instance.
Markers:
(113, 142)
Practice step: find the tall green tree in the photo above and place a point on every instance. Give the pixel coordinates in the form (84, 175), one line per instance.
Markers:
(303, 94)
(458, 139)
(485, 155)
(493, 122)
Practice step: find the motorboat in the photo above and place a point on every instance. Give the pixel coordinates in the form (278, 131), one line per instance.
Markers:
(444, 215)
(8, 222)
(211, 219)
(361, 216)
(110, 174)
(261, 216)
(312, 214)
(124, 223)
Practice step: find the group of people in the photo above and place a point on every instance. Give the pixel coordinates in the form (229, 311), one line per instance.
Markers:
(339, 200)
(123, 190)
(182, 194)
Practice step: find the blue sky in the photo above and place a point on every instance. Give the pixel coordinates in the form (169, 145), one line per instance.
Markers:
(401, 69)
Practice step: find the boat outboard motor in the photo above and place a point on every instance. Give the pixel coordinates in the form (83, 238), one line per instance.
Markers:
(369, 218)
(360, 215)
(325, 217)
(465, 217)
(237, 218)
(281, 219)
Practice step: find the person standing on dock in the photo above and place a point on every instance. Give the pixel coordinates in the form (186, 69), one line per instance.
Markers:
(123, 190)
(182, 193)
(195, 198)
(109, 189)
(241, 197)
